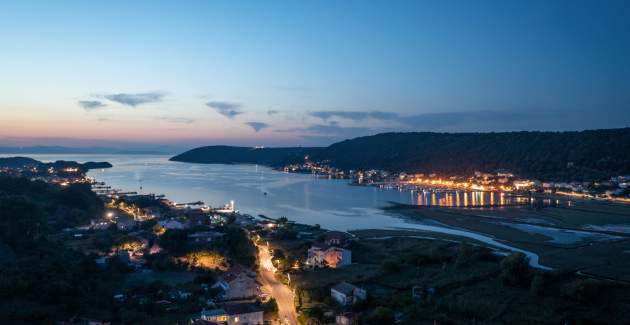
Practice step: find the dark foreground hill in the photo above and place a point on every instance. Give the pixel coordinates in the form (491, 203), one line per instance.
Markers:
(584, 155)
(245, 155)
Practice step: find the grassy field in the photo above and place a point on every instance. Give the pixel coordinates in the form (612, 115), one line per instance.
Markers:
(468, 285)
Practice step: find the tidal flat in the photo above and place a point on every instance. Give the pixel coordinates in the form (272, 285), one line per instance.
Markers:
(586, 236)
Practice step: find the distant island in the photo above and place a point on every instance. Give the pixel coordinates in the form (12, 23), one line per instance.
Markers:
(25, 162)
(577, 155)
(275, 157)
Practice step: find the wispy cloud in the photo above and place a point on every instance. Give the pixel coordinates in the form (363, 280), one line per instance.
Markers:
(106, 119)
(227, 109)
(257, 126)
(89, 105)
(272, 112)
(328, 131)
(134, 100)
(354, 115)
(173, 119)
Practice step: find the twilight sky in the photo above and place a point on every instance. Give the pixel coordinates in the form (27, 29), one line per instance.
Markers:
(188, 73)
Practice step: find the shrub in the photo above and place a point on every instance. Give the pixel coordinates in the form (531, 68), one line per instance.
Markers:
(586, 290)
(380, 315)
(537, 287)
(270, 306)
(515, 270)
(391, 267)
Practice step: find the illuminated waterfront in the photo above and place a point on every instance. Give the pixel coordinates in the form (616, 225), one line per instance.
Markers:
(468, 199)
(258, 190)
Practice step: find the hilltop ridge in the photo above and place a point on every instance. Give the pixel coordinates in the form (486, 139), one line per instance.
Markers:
(575, 155)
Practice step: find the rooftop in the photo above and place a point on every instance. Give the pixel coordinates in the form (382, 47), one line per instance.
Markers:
(242, 308)
(345, 288)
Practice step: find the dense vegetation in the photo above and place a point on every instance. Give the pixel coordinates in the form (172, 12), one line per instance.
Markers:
(40, 280)
(46, 206)
(48, 275)
(585, 155)
(582, 155)
(244, 155)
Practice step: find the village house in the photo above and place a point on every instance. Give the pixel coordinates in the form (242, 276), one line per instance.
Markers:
(235, 314)
(203, 322)
(347, 319)
(125, 223)
(336, 238)
(322, 255)
(238, 283)
(197, 218)
(172, 224)
(152, 212)
(347, 294)
(244, 220)
(422, 292)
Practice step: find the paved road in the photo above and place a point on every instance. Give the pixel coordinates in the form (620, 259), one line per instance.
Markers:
(279, 291)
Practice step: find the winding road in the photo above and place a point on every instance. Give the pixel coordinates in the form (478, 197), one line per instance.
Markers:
(277, 290)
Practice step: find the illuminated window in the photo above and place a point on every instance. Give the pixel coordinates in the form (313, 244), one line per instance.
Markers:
(236, 319)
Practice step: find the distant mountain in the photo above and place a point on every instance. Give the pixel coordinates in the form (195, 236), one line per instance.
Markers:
(583, 155)
(245, 155)
(78, 150)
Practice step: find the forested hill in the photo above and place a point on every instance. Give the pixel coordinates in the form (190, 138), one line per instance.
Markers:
(244, 155)
(584, 155)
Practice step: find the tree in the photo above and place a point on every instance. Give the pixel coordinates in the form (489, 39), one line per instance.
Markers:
(537, 286)
(130, 243)
(239, 246)
(515, 270)
(380, 315)
(464, 253)
(174, 240)
(21, 220)
(206, 260)
(271, 306)
(314, 312)
(585, 290)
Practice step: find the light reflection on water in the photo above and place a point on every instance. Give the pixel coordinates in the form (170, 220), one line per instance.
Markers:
(468, 199)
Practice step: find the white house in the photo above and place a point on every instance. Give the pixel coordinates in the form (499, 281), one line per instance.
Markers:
(235, 314)
(171, 224)
(320, 255)
(347, 294)
(238, 283)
